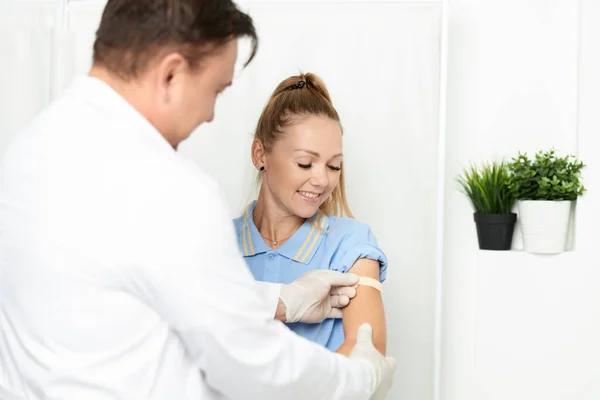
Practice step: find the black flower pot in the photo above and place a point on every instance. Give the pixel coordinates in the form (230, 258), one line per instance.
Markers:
(495, 231)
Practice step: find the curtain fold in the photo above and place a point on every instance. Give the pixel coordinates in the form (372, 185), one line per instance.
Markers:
(41, 54)
(26, 42)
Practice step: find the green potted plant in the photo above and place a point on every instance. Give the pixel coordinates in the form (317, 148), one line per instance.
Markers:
(487, 188)
(545, 188)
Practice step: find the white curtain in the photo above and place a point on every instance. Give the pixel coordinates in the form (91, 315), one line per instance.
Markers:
(43, 48)
(381, 63)
(26, 44)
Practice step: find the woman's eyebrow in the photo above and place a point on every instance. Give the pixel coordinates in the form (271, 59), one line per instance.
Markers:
(314, 153)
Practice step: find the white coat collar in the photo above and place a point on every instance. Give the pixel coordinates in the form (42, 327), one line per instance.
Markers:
(101, 96)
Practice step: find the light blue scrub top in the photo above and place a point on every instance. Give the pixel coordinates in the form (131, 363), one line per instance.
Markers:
(322, 242)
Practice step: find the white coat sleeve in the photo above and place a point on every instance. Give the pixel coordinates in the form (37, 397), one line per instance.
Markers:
(196, 279)
(271, 292)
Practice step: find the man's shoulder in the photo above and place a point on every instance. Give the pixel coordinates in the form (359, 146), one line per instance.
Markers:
(195, 179)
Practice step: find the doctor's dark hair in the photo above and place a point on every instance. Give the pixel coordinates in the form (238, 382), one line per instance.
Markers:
(300, 96)
(132, 32)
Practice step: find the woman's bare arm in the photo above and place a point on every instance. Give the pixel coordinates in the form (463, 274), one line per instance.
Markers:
(367, 306)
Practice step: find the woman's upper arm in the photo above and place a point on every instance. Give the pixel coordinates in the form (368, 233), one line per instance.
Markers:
(367, 306)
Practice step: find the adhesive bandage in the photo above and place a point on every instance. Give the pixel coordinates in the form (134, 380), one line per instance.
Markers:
(366, 281)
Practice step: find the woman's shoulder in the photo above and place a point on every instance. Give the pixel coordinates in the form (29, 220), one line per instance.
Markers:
(238, 222)
(350, 240)
(346, 224)
(344, 228)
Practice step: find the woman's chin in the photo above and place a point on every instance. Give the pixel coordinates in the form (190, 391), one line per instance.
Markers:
(305, 210)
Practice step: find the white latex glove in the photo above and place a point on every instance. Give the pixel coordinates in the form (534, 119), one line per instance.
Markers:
(383, 368)
(317, 295)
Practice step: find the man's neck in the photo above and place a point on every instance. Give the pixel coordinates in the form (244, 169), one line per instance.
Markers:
(128, 90)
(273, 223)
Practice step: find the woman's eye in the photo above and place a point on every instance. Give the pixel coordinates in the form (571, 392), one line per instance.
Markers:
(305, 166)
(334, 168)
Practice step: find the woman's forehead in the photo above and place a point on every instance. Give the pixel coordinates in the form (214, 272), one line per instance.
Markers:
(312, 134)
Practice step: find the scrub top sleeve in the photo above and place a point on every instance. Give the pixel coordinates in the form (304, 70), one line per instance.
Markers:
(361, 244)
(198, 282)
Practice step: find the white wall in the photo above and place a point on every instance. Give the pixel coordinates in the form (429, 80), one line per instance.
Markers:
(522, 75)
(381, 61)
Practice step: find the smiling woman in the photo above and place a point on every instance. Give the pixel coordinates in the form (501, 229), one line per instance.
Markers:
(301, 220)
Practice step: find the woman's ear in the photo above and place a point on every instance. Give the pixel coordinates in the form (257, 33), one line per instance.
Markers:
(258, 154)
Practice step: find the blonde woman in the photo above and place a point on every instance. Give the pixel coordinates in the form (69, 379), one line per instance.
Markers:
(301, 220)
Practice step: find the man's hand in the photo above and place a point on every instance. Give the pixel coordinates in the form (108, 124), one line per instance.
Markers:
(382, 368)
(317, 295)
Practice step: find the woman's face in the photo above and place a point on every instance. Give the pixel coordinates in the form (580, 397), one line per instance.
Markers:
(303, 167)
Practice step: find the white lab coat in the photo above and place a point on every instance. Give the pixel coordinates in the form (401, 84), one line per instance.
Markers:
(120, 276)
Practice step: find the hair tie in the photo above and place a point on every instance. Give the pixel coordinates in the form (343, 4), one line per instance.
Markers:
(301, 84)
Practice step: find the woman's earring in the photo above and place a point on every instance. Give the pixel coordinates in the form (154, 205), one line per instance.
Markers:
(262, 168)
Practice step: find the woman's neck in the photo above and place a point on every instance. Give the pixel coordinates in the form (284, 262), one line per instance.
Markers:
(274, 225)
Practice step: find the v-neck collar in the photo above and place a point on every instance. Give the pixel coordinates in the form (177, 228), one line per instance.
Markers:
(301, 246)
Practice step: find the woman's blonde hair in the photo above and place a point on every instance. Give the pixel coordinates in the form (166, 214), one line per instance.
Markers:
(301, 95)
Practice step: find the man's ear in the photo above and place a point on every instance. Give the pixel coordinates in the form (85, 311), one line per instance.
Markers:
(169, 74)
(258, 154)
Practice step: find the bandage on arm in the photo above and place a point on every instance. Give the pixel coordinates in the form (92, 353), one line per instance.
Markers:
(366, 281)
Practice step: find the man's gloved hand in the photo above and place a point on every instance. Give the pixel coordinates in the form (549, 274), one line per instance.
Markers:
(317, 295)
(382, 367)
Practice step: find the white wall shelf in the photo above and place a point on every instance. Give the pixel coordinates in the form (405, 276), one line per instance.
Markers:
(515, 259)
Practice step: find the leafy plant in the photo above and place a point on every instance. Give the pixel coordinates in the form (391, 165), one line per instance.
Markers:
(487, 187)
(547, 177)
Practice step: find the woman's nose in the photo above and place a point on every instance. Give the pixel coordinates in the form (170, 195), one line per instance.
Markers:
(319, 177)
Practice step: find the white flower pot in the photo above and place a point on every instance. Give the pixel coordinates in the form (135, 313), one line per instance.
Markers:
(544, 225)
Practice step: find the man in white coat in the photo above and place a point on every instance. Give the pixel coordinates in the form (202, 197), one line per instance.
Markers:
(120, 277)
